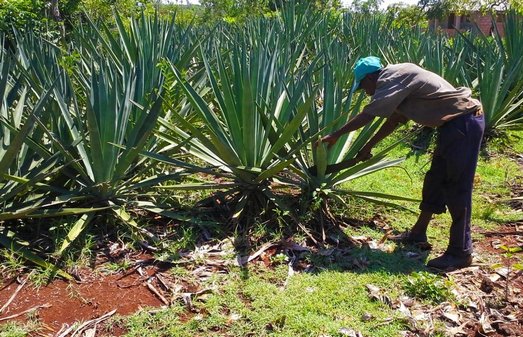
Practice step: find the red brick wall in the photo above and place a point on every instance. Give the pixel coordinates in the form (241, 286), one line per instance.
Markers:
(485, 25)
(483, 22)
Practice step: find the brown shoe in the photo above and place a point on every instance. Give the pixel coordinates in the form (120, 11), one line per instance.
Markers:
(449, 262)
(407, 238)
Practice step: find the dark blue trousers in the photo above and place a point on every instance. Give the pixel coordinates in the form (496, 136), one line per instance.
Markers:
(450, 179)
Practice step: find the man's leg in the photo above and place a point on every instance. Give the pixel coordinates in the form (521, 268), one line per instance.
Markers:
(432, 195)
(420, 227)
(459, 190)
(432, 203)
(463, 139)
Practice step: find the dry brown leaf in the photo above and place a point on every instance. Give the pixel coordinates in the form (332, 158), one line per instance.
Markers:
(407, 301)
(472, 305)
(372, 289)
(373, 244)
(289, 245)
(233, 317)
(290, 272)
(360, 238)
(404, 310)
(503, 272)
(187, 300)
(349, 332)
(90, 332)
(385, 321)
(457, 331)
(452, 316)
(243, 260)
(376, 295)
(503, 318)
(485, 326)
(421, 316)
(494, 277)
(496, 244)
(367, 317)
(385, 236)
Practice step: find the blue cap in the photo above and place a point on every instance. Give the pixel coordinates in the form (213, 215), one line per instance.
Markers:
(363, 67)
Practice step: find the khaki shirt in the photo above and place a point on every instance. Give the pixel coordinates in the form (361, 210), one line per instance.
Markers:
(419, 95)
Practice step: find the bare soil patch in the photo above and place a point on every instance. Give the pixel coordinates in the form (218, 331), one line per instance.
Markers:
(60, 304)
(64, 303)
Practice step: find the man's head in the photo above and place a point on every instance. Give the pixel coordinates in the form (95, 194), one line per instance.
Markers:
(366, 72)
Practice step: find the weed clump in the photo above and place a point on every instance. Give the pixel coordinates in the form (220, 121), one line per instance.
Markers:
(430, 287)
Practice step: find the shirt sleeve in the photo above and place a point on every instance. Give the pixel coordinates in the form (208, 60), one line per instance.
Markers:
(387, 98)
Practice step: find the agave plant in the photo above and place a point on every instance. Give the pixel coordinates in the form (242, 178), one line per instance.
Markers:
(269, 101)
(501, 94)
(365, 33)
(335, 167)
(499, 79)
(252, 114)
(99, 117)
(124, 101)
(27, 169)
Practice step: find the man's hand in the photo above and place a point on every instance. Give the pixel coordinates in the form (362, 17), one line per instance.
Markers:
(354, 123)
(329, 139)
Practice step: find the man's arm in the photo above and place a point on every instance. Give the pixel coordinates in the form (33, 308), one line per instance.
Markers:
(355, 123)
(386, 129)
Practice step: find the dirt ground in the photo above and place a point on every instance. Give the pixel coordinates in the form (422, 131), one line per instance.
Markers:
(63, 303)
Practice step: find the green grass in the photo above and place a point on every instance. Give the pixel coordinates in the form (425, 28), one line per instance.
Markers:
(15, 329)
(430, 287)
(260, 304)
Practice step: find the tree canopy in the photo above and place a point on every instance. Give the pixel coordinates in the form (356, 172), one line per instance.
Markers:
(45, 13)
(438, 8)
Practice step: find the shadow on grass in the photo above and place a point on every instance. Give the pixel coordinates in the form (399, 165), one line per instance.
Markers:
(344, 254)
(340, 252)
(401, 260)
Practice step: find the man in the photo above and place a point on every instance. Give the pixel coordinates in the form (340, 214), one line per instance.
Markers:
(402, 92)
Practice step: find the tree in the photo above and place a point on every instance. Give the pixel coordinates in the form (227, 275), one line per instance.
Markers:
(103, 9)
(36, 13)
(68, 9)
(241, 9)
(319, 4)
(439, 8)
(215, 10)
(366, 6)
(406, 16)
(20, 14)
